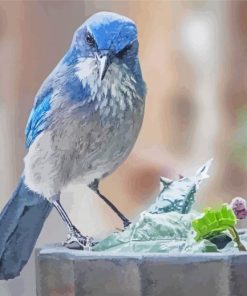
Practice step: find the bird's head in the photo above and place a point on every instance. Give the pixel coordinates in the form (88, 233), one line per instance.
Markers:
(107, 37)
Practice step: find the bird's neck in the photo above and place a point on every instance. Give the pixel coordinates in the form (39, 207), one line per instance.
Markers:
(115, 94)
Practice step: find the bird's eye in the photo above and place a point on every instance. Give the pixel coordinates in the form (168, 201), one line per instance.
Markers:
(90, 40)
(128, 47)
(124, 51)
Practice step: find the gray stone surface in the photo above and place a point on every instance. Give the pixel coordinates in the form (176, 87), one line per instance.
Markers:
(60, 271)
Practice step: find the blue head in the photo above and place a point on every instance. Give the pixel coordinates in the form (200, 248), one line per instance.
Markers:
(106, 37)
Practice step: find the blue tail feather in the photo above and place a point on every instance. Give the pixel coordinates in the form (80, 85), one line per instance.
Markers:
(21, 222)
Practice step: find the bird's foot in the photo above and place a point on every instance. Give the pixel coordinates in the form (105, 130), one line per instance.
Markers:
(76, 240)
(126, 223)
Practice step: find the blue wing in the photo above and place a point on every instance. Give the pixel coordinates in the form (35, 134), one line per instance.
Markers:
(62, 79)
(39, 118)
(37, 121)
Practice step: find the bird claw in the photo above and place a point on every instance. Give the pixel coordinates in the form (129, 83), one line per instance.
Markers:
(76, 240)
(126, 223)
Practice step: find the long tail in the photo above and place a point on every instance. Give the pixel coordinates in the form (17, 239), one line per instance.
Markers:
(20, 224)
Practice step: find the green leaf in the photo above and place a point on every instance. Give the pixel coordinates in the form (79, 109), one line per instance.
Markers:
(213, 222)
(179, 195)
(165, 233)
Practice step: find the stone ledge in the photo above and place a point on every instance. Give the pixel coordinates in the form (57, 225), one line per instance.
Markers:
(60, 271)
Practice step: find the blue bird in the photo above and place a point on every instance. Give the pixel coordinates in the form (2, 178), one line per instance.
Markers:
(84, 122)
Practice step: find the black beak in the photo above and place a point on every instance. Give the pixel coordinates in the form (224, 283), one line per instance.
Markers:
(104, 63)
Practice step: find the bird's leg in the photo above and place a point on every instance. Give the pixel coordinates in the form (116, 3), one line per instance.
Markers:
(95, 187)
(75, 239)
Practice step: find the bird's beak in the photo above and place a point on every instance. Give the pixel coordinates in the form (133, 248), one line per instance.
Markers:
(104, 63)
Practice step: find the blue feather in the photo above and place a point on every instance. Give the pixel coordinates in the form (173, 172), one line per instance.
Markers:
(111, 31)
(74, 89)
(20, 224)
(37, 121)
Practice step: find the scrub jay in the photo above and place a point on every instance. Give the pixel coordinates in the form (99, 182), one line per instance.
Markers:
(84, 122)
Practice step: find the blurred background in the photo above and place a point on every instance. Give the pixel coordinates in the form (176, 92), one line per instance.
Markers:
(194, 60)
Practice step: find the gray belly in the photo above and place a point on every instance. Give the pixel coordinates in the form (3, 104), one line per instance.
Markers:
(79, 150)
(103, 148)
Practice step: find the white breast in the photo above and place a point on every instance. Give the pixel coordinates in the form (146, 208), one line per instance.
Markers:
(119, 84)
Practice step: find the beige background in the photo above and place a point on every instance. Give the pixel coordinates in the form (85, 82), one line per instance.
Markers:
(194, 57)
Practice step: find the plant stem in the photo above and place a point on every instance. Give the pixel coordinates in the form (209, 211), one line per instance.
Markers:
(236, 238)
